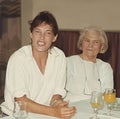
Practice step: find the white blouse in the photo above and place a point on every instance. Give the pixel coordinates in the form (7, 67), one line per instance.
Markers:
(83, 77)
(24, 77)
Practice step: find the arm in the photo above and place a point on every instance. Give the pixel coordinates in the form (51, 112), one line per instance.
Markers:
(106, 76)
(61, 76)
(60, 110)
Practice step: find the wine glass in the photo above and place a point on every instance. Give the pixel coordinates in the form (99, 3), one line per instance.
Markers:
(110, 99)
(1, 114)
(20, 110)
(96, 103)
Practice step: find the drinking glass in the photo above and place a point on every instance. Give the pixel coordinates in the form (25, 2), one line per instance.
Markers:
(20, 110)
(1, 114)
(96, 103)
(110, 99)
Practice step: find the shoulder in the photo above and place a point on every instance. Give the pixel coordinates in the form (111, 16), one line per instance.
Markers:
(22, 53)
(103, 64)
(58, 56)
(57, 52)
(73, 58)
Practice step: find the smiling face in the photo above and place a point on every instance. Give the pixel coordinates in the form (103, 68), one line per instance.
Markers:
(91, 45)
(42, 37)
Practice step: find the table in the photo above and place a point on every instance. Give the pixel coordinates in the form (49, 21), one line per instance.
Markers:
(84, 111)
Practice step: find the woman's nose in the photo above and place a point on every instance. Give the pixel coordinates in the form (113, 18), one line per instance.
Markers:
(42, 35)
(90, 44)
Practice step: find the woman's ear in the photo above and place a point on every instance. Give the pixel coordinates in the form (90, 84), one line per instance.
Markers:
(30, 35)
(55, 38)
(102, 48)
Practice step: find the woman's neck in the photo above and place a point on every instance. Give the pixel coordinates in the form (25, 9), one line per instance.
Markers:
(87, 58)
(41, 60)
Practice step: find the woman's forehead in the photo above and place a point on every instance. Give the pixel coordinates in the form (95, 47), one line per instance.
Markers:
(92, 34)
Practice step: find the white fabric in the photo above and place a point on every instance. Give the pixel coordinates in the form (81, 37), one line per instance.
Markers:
(83, 111)
(97, 75)
(24, 77)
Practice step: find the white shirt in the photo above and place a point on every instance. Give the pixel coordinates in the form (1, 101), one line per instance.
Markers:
(24, 77)
(84, 77)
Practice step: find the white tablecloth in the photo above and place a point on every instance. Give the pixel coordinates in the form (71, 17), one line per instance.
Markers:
(84, 111)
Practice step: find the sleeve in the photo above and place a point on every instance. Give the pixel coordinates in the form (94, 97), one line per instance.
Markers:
(61, 76)
(69, 74)
(106, 76)
(16, 76)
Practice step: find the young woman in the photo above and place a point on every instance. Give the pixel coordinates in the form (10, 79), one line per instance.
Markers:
(36, 73)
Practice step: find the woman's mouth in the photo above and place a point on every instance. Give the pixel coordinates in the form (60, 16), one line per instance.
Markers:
(40, 43)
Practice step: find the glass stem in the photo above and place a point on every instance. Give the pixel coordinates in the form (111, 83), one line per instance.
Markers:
(109, 107)
(96, 113)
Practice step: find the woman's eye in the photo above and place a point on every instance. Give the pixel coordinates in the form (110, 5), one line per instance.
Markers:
(86, 40)
(37, 31)
(48, 33)
(96, 42)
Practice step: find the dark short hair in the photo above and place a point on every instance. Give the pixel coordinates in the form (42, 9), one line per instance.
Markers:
(45, 17)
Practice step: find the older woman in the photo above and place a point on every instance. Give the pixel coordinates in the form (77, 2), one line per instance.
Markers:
(85, 72)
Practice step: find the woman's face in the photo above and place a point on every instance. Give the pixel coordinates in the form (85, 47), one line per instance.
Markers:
(42, 37)
(91, 44)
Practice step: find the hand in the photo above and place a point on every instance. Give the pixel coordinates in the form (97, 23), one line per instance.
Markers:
(56, 102)
(56, 99)
(63, 111)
